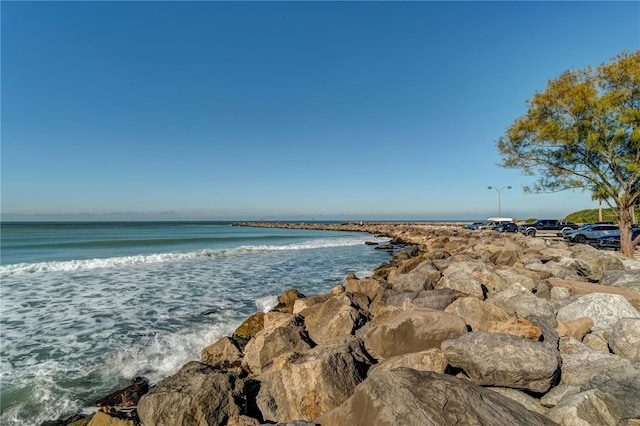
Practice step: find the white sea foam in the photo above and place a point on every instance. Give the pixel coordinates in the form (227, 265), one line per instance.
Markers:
(88, 264)
(266, 303)
(79, 328)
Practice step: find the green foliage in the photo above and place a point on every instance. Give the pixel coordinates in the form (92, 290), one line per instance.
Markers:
(591, 216)
(583, 131)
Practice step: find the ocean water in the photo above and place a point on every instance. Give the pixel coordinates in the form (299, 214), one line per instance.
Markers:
(85, 307)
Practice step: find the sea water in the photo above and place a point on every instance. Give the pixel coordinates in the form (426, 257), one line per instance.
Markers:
(86, 307)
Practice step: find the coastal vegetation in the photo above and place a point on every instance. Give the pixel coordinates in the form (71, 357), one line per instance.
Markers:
(583, 132)
(592, 215)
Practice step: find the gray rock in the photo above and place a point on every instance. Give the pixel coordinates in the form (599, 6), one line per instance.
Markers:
(556, 394)
(624, 384)
(412, 331)
(549, 335)
(560, 293)
(429, 360)
(491, 359)
(197, 394)
(422, 277)
(580, 363)
(593, 264)
(604, 309)
(628, 279)
(624, 338)
(463, 284)
(501, 279)
(304, 386)
(527, 401)
(410, 397)
(556, 269)
(477, 314)
(405, 253)
(430, 299)
(590, 408)
(518, 301)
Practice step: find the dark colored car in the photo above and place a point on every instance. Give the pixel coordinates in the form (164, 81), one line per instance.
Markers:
(473, 225)
(506, 227)
(530, 229)
(612, 241)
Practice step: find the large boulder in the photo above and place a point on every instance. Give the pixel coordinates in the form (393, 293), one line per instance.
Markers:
(287, 299)
(527, 401)
(624, 338)
(338, 316)
(308, 384)
(422, 277)
(590, 408)
(515, 327)
(581, 363)
(224, 354)
(594, 263)
(429, 360)
(491, 359)
(300, 305)
(282, 333)
(604, 309)
(196, 395)
(409, 397)
(127, 397)
(518, 301)
(368, 286)
(556, 269)
(248, 329)
(627, 279)
(477, 313)
(502, 278)
(463, 284)
(431, 299)
(624, 384)
(577, 287)
(412, 331)
(557, 393)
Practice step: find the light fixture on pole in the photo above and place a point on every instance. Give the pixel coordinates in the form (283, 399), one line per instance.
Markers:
(499, 190)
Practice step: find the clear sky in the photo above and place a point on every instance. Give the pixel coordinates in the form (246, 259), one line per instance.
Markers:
(283, 110)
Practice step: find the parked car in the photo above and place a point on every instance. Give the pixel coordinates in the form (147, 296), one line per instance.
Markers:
(473, 225)
(590, 233)
(495, 221)
(530, 229)
(612, 241)
(506, 227)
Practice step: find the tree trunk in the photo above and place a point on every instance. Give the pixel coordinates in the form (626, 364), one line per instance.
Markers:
(627, 246)
(600, 210)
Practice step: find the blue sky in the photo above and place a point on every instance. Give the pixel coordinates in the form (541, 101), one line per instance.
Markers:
(283, 110)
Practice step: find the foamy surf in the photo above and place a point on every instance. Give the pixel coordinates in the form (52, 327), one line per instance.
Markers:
(77, 329)
(114, 262)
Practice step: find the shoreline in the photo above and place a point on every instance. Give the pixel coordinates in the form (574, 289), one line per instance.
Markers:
(506, 263)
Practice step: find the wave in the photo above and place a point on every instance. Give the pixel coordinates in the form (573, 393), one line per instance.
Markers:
(113, 262)
(146, 242)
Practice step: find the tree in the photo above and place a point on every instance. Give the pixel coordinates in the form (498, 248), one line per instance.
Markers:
(583, 132)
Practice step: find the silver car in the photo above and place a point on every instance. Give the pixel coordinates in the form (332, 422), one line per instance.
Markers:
(590, 232)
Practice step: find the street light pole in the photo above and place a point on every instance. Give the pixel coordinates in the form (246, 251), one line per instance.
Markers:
(499, 190)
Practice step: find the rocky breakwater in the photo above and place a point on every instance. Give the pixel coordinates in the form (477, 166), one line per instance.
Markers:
(463, 327)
